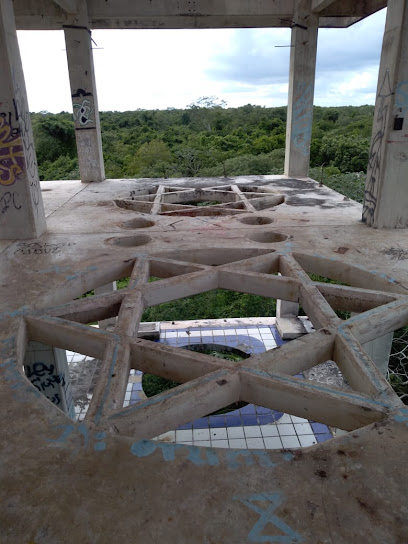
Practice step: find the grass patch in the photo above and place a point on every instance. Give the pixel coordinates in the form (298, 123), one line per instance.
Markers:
(153, 385)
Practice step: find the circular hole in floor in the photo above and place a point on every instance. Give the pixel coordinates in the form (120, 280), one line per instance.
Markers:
(255, 220)
(130, 241)
(267, 237)
(137, 223)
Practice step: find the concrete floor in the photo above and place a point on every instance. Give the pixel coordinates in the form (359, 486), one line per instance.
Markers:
(63, 481)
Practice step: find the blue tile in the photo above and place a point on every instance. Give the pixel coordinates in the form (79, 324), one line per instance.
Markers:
(135, 395)
(249, 419)
(229, 337)
(171, 341)
(320, 428)
(276, 415)
(217, 421)
(207, 339)
(233, 421)
(195, 340)
(185, 426)
(138, 372)
(201, 423)
(277, 337)
(323, 437)
(137, 387)
(262, 410)
(248, 409)
(264, 419)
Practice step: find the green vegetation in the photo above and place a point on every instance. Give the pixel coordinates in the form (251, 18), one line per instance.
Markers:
(153, 385)
(217, 304)
(208, 139)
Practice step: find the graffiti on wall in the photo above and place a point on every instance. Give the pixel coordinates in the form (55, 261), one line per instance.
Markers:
(11, 151)
(375, 157)
(83, 106)
(24, 119)
(8, 200)
(46, 380)
(302, 118)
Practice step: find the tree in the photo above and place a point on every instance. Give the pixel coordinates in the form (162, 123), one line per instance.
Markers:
(203, 111)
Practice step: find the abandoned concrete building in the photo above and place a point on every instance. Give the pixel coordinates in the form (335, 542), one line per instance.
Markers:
(108, 476)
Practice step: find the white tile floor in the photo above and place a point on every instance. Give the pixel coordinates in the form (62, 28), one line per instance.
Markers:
(288, 432)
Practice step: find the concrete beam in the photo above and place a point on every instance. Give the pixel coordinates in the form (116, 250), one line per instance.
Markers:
(22, 212)
(347, 8)
(43, 14)
(301, 90)
(70, 6)
(320, 5)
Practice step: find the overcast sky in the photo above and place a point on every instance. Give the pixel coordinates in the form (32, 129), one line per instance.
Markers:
(157, 69)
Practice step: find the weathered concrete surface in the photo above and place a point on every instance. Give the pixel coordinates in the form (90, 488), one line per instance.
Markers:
(22, 213)
(302, 69)
(63, 482)
(46, 14)
(386, 195)
(84, 98)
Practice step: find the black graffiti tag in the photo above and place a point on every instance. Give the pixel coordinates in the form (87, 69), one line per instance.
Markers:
(9, 200)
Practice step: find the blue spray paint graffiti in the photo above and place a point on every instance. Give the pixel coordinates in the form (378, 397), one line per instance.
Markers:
(82, 435)
(203, 456)
(267, 516)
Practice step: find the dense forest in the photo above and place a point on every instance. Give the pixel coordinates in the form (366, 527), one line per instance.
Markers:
(209, 139)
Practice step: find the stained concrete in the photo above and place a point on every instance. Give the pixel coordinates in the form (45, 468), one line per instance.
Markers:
(64, 482)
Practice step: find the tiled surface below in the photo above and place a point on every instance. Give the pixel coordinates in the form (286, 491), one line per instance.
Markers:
(249, 427)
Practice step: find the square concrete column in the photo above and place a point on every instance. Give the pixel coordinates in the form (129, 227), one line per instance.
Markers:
(301, 90)
(84, 98)
(21, 207)
(386, 190)
(379, 350)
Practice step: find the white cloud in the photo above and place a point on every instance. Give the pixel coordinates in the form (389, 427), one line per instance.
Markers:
(172, 68)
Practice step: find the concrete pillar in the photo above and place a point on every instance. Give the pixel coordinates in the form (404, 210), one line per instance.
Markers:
(284, 308)
(21, 207)
(379, 350)
(104, 289)
(84, 98)
(47, 369)
(386, 190)
(301, 90)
